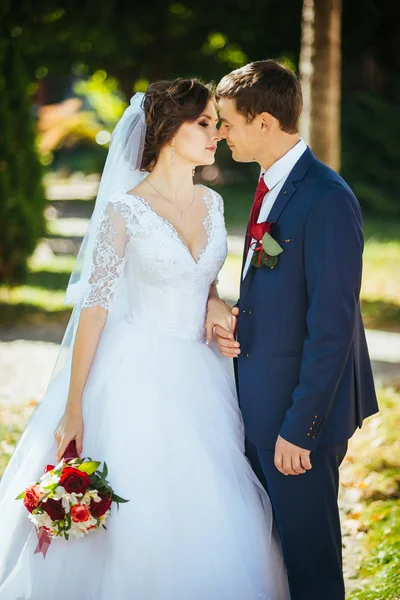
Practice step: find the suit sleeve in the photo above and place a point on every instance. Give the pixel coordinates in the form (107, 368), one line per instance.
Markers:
(333, 249)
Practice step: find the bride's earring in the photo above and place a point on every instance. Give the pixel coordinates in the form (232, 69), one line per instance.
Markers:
(173, 153)
(194, 171)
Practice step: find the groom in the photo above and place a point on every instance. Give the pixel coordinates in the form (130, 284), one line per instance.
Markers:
(303, 371)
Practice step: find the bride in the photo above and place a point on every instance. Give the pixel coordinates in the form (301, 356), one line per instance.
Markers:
(137, 385)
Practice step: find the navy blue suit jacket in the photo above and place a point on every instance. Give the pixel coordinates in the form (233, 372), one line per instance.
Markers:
(304, 371)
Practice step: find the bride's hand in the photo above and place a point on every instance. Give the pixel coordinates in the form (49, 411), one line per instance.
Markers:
(69, 428)
(219, 313)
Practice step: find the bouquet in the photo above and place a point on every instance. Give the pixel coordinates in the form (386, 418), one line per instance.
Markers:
(73, 498)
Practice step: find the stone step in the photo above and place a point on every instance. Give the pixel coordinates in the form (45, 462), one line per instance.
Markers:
(66, 209)
(63, 245)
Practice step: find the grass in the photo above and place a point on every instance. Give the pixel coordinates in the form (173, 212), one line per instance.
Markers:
(381, 568)
(12, 424)
(381, 281)
(42, 297)
(372, 468)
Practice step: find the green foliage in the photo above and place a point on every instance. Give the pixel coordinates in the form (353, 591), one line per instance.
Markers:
(21, 193)
(102, 92)
(371, 152)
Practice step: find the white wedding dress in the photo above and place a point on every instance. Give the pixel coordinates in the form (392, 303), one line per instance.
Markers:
(160, 408)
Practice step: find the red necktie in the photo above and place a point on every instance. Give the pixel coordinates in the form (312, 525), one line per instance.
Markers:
(261, 190)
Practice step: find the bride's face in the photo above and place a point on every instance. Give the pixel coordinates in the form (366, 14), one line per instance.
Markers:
(196, 143)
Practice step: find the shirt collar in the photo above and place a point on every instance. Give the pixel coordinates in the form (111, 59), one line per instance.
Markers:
(282, 167)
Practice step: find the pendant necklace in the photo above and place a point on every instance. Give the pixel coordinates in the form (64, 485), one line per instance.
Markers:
(182, 212)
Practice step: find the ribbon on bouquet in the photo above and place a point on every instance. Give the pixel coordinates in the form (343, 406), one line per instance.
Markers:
(70, 451)
(44, 538)
(44, 541)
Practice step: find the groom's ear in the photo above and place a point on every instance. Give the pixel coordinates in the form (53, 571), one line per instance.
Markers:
(267, 122)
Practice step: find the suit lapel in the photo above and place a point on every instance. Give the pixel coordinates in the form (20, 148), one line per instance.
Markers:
(289, 188)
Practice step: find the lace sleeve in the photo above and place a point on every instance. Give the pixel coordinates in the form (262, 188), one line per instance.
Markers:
(108, 259)
(219, 204)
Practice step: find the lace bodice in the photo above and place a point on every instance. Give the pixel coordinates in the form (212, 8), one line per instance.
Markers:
(165, 287)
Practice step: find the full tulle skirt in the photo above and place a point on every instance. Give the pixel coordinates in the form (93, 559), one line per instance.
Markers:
(163, 414)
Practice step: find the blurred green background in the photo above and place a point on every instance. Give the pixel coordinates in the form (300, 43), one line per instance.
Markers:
(67, 71)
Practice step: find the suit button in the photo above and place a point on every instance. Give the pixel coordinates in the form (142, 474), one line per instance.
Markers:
(322, 419)
(246, 355)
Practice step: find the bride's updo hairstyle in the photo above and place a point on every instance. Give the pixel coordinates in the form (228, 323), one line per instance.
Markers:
(167, 105)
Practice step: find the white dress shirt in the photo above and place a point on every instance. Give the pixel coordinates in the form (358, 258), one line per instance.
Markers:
(275, 178)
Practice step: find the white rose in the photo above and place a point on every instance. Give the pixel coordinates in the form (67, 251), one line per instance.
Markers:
(59, 492)
(47, 480)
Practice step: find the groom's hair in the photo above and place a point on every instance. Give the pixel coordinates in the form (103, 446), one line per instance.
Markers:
(264, 86)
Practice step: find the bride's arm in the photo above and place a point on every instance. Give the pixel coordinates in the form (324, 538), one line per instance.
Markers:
(220, 317)
(90, 327)
(108, 263)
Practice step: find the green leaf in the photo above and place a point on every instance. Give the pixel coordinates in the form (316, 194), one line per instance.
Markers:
(118, 499)
(105, 471)
(21, 496)
(271, 261)
(270, 245)
(51, 487)
(104, 527)
(254, 261)
(89, 467)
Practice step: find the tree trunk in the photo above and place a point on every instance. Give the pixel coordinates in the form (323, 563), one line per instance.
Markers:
(320, 69)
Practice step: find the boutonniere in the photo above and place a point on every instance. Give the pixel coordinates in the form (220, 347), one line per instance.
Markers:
(266, 248)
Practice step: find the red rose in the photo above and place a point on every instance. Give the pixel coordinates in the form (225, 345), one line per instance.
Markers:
(54, 509)
(74, 480)
(48, 468)
(80, 513)
(259, 229)
(32, 497)
(98, 509)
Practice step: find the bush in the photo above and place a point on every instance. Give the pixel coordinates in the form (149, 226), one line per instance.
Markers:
(21, 193)
(371, 151)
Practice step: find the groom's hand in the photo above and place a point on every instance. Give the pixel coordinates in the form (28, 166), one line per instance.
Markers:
(291, 459)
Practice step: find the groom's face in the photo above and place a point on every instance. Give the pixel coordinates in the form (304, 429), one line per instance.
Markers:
(242, 137)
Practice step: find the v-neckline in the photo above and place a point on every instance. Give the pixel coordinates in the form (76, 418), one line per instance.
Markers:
(205, 223)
